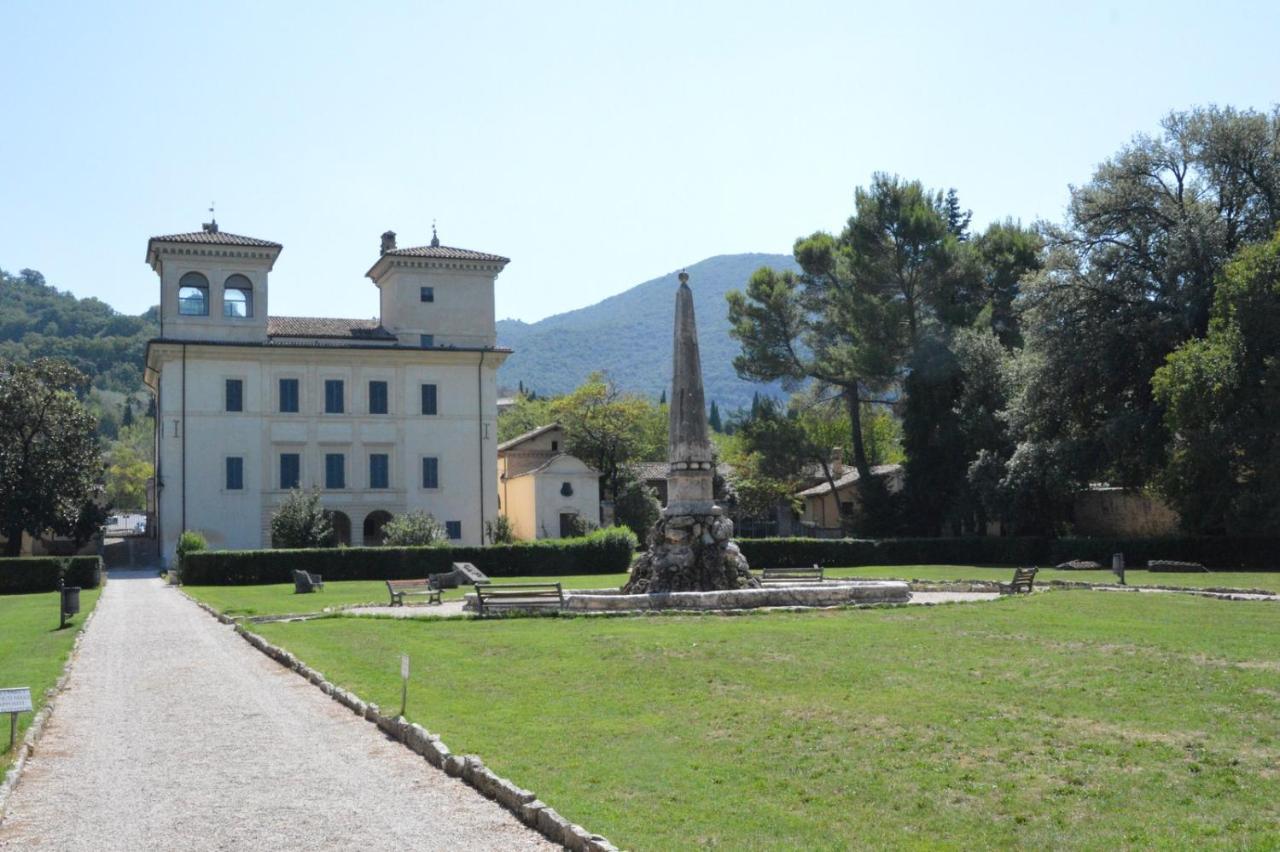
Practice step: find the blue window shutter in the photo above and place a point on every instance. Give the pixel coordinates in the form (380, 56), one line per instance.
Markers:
(333, 401)
(235, 473)
(430, 472)
(428, 399)
(379, 471)
(377, 397)
(235, 395)
(334, 475)
(290, 470)
(453, 529)
(427, 294)
(289, 396)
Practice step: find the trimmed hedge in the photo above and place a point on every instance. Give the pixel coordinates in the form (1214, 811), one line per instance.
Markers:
(29, 574)
(606, 551)
(1217, 553)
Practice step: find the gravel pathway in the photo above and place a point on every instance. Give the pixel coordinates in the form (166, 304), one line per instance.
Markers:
(175, 734)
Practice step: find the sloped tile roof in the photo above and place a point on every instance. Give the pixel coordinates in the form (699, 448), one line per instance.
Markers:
(527, 436)
(347, 329)
(848, 478)
(446, 253)
(215, 238)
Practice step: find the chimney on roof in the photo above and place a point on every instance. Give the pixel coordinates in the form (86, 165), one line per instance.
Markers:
(388, 241)
(210, 227)
(837, 461)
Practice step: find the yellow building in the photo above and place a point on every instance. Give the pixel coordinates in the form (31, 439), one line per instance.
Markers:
(544, 491)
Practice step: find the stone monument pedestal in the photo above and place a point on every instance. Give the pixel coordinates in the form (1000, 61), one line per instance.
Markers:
(691, 553)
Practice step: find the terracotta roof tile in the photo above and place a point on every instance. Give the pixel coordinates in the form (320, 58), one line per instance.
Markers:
(446, 253)
(347, 329)
(215, 238)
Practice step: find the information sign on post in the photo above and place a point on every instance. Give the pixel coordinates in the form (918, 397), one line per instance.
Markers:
(15, 701)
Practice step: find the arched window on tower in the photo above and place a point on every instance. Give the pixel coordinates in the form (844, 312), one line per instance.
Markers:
(237, 297)
(193, 295)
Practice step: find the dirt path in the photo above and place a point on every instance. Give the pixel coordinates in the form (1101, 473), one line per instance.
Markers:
(176, 734)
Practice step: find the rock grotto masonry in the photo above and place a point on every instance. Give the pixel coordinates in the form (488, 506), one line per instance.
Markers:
(691, 547)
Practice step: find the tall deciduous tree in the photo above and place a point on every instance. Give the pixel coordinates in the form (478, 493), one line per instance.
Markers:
(49, 459)
(609, 429)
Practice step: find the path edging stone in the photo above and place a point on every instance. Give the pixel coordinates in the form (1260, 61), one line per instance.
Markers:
(36, 728)
(470, 769)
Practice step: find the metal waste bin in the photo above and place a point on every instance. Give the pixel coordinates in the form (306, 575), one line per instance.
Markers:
(70, 603)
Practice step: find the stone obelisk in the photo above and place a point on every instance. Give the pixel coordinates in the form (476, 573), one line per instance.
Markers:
(691, 547)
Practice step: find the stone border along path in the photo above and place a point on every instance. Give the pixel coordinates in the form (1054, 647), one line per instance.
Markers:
(174, 734)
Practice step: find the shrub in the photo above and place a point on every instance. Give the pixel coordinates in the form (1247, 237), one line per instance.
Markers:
(29, 574)
(413, 529)
(637, 506)
(302, 522)
(606, 551)
(500, 530)
(191, 541)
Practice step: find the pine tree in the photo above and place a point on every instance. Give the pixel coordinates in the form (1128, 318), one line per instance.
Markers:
(755, 405)
(713, 420)
(662, 400)
(957, 218)
(127, 419)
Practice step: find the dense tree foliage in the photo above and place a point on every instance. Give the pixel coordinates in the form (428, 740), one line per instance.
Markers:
(301, 521)
(49, 459)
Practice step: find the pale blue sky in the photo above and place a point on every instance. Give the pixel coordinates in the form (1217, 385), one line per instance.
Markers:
(596, 144)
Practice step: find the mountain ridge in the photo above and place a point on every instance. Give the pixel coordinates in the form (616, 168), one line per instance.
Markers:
(555, 354)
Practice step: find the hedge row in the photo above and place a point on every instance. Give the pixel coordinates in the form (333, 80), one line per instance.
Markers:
(606, 551)
(27, 574)
(1259, 554)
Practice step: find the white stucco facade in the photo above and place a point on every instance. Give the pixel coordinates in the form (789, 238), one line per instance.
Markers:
(341, 406)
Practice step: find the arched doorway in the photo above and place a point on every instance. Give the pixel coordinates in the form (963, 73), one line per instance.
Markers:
(341, 527)
(373, 524)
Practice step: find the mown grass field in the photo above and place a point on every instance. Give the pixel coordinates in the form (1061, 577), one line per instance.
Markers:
(33, 651)
(1070, 719)
(280, 599)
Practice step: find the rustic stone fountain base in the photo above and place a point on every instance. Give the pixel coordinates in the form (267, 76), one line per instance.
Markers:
(831, 593)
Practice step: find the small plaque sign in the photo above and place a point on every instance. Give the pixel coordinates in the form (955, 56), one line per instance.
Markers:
(16, 700)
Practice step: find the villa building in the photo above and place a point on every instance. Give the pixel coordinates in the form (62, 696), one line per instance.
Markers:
(381, 415)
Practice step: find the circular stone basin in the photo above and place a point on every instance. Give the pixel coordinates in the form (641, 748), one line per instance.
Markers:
(813, 594)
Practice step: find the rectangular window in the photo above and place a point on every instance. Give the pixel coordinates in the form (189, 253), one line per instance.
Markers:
(428, 341)
(427, 294)
(235, 473)
(235, 395)
(288, 396)
(453, 529)
(333, 401)
(379, 470)
(428, 399)
(290, 470)
(335, 474)
(377, 397)
(431, 472)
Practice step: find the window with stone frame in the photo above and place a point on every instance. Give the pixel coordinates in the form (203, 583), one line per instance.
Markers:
(193, 295)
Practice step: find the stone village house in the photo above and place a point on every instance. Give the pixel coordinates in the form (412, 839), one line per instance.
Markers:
(382, 415)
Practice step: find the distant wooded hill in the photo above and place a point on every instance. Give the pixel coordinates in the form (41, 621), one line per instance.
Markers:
(629, 336)
(38, 321)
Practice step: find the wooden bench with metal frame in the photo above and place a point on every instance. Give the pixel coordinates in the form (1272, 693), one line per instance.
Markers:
(399, 588)
(1023, 581)
(507, 597)
(790, 576)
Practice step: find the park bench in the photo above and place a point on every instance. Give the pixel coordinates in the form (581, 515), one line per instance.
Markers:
(518, 596)
(399, 588)
(1023, 580)
(305, 581)
(790, 576)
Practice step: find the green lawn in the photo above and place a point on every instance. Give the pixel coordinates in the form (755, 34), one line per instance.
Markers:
(1068, 719)
(280, 599)
(33, 651)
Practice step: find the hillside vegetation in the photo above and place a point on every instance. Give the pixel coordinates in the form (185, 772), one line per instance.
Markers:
(629, 336)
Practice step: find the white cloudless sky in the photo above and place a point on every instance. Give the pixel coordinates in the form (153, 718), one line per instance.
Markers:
(597, 144)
